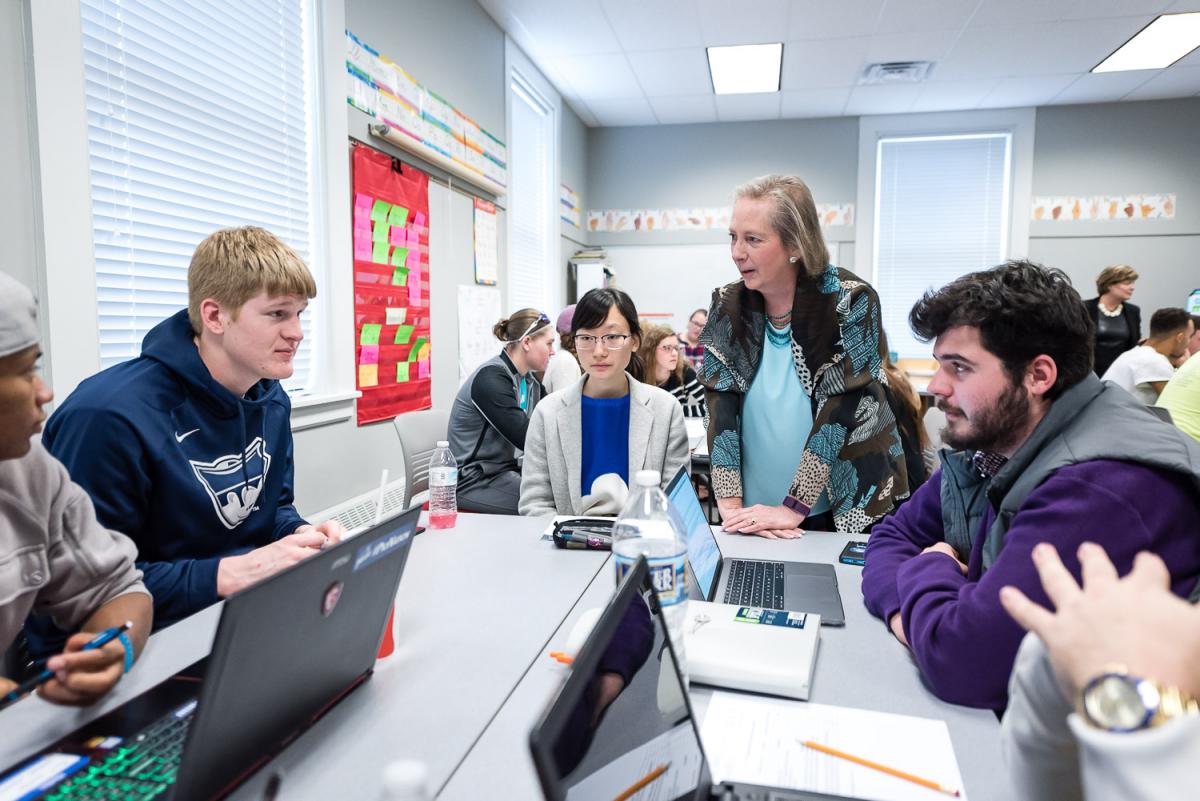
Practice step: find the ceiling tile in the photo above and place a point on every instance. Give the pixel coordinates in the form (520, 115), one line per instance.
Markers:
(1099, 9)
(1104, 87)
(759, 106)
(814, 103)
(833, 19)
(598, 76)
(1172, 82)
(695, 108)
(612, 112)
(672, 72)
(818, 65)
(895, 99)
(660, 25)
(1031, 90)
(903, 16)
(917, 46)
(726, 23)
(555, 28)
(1192, 59)
(953, 95)
(1004, 13)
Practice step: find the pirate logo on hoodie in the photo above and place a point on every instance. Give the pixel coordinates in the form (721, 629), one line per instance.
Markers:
(233, 482)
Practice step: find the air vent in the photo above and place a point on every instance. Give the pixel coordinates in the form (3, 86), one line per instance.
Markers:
(895, 72)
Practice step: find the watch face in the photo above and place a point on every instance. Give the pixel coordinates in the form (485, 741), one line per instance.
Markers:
(1119, 703)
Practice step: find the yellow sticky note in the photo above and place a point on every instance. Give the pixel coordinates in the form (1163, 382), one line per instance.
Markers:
(368, 375)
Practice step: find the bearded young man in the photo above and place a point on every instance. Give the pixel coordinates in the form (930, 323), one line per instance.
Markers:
(1044, 452)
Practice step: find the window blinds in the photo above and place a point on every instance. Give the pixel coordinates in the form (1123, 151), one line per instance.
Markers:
(941, 211)
(530, 255)
(198, 119)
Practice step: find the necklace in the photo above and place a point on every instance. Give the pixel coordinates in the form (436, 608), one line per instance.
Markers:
(1114, 313)
(780, 318)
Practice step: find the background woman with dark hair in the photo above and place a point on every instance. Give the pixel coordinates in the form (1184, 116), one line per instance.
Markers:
(800, 430)
(491, 414)
(660, 355)
(1118, 322)
(608, 422)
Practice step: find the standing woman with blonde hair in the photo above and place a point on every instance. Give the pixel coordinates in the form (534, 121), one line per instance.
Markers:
(1118, 322)
(800, 430)
(491, 413)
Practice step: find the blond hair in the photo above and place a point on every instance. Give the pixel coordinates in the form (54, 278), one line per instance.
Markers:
(1114, 274)
(652, 337)
(234, 264)
(794, 217)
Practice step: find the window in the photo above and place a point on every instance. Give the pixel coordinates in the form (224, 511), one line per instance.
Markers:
(941, 210)
(532, 252)
(200, 116)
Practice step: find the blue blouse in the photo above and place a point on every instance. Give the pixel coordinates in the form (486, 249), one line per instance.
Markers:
(605, 440)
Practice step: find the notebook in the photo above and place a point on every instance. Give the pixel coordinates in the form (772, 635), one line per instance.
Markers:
(792, 586)
(286, 651)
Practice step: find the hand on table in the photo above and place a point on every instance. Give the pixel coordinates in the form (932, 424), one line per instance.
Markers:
(948, 549)
(235, 573)
(896, 624)
(82, 677)
(772, 522)
(332, 529)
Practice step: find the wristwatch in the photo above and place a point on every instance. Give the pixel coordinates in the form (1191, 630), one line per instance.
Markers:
(1118, 702)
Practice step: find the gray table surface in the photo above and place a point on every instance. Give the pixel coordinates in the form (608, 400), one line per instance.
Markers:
(859, 665)
(475, 609)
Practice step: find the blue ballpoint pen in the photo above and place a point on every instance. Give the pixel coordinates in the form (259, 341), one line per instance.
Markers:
(101, 640)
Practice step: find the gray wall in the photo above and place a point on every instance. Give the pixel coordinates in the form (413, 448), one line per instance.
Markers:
(1125, 148)
(572, 162)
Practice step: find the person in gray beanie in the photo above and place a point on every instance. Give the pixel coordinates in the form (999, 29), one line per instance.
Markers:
(48, 525)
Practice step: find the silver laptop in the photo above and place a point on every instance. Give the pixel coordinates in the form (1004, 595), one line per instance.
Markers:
(792, 586)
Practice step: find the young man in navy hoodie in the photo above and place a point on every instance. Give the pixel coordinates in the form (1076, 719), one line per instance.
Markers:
(1045, 452)
(187, 449)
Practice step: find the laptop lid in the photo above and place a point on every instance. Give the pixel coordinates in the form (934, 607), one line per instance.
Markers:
(286, 650)
(623, 716)
(704, 556)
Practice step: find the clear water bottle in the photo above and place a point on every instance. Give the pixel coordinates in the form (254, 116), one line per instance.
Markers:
(443, 487)
(649, 526)
(406, 780)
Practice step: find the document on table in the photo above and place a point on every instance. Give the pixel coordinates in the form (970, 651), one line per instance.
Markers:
(758, 741)
(675, 749)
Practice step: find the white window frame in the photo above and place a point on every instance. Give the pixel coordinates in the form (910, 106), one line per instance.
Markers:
(520, 68)
(68, 246)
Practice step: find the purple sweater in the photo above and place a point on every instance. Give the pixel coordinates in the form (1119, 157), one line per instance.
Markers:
(961, 637)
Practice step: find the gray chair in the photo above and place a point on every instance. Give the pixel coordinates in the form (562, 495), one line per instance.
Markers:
(419, 433)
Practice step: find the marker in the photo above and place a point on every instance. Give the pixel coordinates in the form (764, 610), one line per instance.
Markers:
(101, 640)
(559, 656)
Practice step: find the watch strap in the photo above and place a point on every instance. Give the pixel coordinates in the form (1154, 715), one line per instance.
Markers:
(123, 638)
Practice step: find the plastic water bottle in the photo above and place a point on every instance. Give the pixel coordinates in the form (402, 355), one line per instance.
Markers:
(406, 780)
(649, 526)
(443, 487)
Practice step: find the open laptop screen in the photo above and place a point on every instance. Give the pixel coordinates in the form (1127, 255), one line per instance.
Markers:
(622, 719)
(703, 553)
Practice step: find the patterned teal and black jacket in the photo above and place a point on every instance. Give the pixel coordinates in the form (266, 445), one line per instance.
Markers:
(854, 449)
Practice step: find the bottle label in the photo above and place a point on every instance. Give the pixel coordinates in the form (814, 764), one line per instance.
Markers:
(443, 476)
(668, 577)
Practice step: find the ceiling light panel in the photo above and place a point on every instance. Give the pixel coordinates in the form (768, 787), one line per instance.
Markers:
(743, 69)
(1160, 44)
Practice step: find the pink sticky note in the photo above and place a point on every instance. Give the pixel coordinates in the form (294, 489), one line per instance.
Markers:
(423, 368)
(414, 287)
(362, 201)
(418, 219)
(362, 217)
(364, 277)
(369, 354)
(414, 238)
(413, 260)
(362, 250)
(398, 237)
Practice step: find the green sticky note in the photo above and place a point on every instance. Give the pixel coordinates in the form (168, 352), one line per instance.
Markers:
(400, 276)
(398, 257)
(379, 233)
(416, 349)
(379, 212)
(370, 334)
(380, 253)
(403, 335)
(398, 216)
(401, 372)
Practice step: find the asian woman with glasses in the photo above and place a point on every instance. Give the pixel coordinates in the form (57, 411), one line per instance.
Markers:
(609, 422)
(490, 415)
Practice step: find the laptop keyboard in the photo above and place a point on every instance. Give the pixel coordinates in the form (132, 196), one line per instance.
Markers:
(755, 584)
(140, 769)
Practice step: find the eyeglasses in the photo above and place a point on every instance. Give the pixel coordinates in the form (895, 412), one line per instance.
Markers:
(670, 348)
(542, 318)
(611, 341)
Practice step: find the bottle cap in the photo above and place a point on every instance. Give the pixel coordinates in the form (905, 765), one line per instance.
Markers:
(406, 779)
(647, 478)
(442, 443)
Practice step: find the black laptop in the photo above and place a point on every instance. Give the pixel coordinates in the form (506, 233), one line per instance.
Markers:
(286, 651)
(792, 586)
(621, 726)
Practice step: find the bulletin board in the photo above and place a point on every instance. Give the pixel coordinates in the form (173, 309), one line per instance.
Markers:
(391, 286)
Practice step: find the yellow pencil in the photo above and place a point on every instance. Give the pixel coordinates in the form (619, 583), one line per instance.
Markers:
(824, 749)
(642, 782)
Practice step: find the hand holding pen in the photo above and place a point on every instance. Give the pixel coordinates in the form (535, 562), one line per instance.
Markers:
(84, 671)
